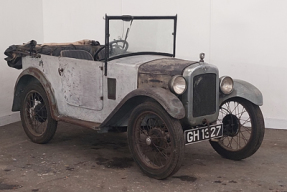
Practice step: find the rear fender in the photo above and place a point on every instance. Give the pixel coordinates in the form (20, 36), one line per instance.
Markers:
(33, 74)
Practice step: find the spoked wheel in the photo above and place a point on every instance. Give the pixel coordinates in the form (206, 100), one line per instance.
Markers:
(35, 114)
(243, 129)
(155, 140)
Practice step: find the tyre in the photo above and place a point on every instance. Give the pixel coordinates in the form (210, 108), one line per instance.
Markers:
(243, 129)
(35, 114)
(155, 140)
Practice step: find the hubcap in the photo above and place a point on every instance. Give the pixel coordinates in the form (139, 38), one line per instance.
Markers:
(231, 125)
(148, 140)
(237, 125)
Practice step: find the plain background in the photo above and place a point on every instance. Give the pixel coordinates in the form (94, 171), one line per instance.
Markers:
(244, 39)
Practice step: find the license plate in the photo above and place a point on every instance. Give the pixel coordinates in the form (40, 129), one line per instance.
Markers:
(203, 133)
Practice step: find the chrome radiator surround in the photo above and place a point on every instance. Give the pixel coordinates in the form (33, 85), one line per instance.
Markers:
(190, 73)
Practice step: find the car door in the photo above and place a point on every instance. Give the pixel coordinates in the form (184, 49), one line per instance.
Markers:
(82, 83)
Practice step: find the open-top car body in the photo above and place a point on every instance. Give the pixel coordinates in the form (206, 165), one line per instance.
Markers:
(134, 83)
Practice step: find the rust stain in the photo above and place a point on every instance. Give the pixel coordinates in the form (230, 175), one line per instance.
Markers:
(166, 66)
(47, 87)
(152, 80)
(80, 122)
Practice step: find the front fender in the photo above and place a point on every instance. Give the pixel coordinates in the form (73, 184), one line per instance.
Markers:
(165, 98)
(244, 90)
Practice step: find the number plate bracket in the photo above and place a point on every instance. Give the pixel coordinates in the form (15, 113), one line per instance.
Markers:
(203, 133)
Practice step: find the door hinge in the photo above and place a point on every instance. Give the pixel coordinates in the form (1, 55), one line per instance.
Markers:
(101, 67)
(102, 98)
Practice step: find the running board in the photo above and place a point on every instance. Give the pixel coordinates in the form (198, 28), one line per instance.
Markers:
(88, 124)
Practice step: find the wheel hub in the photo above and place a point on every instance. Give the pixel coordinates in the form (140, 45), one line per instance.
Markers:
(155, 137)
(230, 125)
(40, 113)
(148, 140)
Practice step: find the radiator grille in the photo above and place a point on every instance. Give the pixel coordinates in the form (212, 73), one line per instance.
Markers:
(204, 94)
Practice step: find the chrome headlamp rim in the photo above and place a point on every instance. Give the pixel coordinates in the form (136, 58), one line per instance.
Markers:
(172, 83)
(222, 82)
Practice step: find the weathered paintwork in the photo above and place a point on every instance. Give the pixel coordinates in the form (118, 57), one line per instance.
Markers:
(82, 83)
(168, 101)
(32, 74)
(66, 81)
(157, 73)
(152, 80)
(77, 89)
(187, 97)
(244, 90)
(166, 66)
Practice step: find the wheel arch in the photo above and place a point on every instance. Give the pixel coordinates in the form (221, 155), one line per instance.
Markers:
(245, 90)
(165, 98)
(34, 75)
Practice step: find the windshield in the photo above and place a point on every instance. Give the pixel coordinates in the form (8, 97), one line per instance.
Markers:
(127, 35)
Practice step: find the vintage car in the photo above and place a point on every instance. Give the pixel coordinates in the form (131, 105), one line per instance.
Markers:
(134, 83)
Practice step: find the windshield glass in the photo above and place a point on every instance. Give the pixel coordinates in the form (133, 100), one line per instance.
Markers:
(141, 36)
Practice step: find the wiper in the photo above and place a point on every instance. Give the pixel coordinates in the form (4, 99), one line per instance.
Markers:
(127, 33)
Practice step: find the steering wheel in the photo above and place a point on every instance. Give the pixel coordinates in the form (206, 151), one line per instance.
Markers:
(118, 47)
(100, 54)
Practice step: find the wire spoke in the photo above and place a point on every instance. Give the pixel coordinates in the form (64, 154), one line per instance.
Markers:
(152, 140)
(237, 125)
(35, 113)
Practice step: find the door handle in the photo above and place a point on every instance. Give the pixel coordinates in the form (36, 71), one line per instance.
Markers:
(60, 70)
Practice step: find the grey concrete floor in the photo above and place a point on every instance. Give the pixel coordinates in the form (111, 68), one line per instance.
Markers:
(79, 159)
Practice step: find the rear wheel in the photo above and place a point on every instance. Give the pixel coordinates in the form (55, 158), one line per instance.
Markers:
(35, 114)
(243, 129)
(155, 140)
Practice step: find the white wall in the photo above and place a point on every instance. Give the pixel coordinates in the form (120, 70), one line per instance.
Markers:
(20, 21)
(248, 41)
(73, 20)
(245, 39)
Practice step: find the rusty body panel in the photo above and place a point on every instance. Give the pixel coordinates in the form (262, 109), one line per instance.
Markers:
(152, 80)
(150, 76)
(86, 85)
(37, 74)
(157, 73)
(88, 124)
(45, 70)
(32, 72)
(165, 66)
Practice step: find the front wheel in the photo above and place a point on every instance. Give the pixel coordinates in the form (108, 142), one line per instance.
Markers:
(243, 129)
(35, 114)
(155, 140)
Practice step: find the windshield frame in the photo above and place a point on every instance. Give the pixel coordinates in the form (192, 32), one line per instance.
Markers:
(129, 18)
